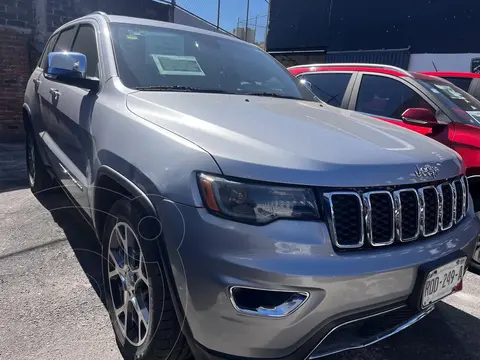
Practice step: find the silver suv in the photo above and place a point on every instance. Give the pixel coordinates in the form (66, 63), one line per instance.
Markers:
(239, 215)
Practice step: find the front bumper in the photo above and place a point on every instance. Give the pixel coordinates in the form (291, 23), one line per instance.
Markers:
(209, 255)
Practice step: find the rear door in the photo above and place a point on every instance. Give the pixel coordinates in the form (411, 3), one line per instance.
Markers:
(386, 97)
(334, 88)
(68, 109)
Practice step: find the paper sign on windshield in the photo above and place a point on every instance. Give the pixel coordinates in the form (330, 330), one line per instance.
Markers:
(451, 92)
(178, 65)
(475, 115)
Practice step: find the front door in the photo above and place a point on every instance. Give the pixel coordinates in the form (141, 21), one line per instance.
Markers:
(387, 98)
(67, 112)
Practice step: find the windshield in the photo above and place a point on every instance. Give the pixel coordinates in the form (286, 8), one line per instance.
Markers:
(465, 106)
(156, 58)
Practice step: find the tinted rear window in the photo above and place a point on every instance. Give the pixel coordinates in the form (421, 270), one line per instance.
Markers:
(329, 87)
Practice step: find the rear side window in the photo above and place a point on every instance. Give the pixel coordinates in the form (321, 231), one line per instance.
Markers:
(43, 63)
(462, 83)
(329, 87)
(64, 40)
(86, 43)
(387, 97)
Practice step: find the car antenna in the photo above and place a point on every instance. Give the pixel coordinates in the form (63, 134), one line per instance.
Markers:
(433, 62)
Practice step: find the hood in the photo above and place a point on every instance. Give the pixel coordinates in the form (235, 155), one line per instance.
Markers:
(292, 141)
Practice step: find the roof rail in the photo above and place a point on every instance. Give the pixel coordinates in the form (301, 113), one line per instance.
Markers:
(381, 66)
(100, 13)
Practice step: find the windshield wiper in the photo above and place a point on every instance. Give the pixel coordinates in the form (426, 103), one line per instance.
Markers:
(271, 94)
(180, 88)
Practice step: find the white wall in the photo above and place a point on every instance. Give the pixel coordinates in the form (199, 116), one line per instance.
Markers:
(443, 62)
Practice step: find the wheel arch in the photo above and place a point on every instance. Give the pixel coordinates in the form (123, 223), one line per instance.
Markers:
(27, 116)
(110, 185)
(106, 176)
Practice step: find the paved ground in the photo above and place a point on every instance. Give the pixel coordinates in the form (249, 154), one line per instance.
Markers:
(51, 307)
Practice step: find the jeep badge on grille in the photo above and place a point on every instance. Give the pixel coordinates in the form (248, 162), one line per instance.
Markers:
(427, 171)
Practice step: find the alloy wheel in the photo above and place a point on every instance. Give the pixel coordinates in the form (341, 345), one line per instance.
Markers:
(128, 281)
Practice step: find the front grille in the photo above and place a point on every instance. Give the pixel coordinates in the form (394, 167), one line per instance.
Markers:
(383, 217)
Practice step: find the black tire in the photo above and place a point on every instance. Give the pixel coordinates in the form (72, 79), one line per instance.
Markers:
(38, 177)
(164, 339)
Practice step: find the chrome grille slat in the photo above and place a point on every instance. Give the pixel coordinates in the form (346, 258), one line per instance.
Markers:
(333, 226)
(464, 196)
(454, 203)
(383, 217)
(367, 205)
(397, 195)
(446, 212)
(423, 210)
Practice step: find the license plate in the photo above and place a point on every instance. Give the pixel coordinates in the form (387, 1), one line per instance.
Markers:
(443, 281)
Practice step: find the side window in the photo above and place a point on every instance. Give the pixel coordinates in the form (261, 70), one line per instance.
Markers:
(43, 62)
(462, 83)
(329, 87)
(85, 43)
(65, 40)
(386, 97)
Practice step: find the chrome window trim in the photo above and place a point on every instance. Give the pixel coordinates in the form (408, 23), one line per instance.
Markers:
(398, 215)
(368, 218)
(331, 219)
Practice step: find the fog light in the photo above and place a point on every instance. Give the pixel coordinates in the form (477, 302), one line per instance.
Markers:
(268, 303)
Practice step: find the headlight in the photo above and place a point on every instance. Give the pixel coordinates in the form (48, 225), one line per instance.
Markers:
(256, 203)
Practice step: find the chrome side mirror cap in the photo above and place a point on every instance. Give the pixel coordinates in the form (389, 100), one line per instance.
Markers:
(67, 64)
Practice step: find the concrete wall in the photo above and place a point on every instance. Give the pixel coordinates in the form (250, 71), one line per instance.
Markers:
(443, 62)
(25, 25)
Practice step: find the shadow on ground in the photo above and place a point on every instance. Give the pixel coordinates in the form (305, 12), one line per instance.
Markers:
(447, 333)
(79, 234)
(13, 173)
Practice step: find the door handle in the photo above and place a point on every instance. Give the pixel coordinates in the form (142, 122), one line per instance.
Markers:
(55, 93)
(36, 82)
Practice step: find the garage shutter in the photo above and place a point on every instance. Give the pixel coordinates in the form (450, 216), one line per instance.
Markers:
(394, 57)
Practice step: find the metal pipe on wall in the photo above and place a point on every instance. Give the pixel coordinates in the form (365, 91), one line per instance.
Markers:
(218, 15)
(246, 21)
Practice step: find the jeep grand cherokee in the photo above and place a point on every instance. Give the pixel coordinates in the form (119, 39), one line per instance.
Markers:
(239, 215)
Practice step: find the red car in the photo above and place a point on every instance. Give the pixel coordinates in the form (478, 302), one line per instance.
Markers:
(426, 104)
(470, 82)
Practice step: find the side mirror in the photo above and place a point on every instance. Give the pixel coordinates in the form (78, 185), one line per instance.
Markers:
(419, 117)
(70, 68)
(307, 84)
